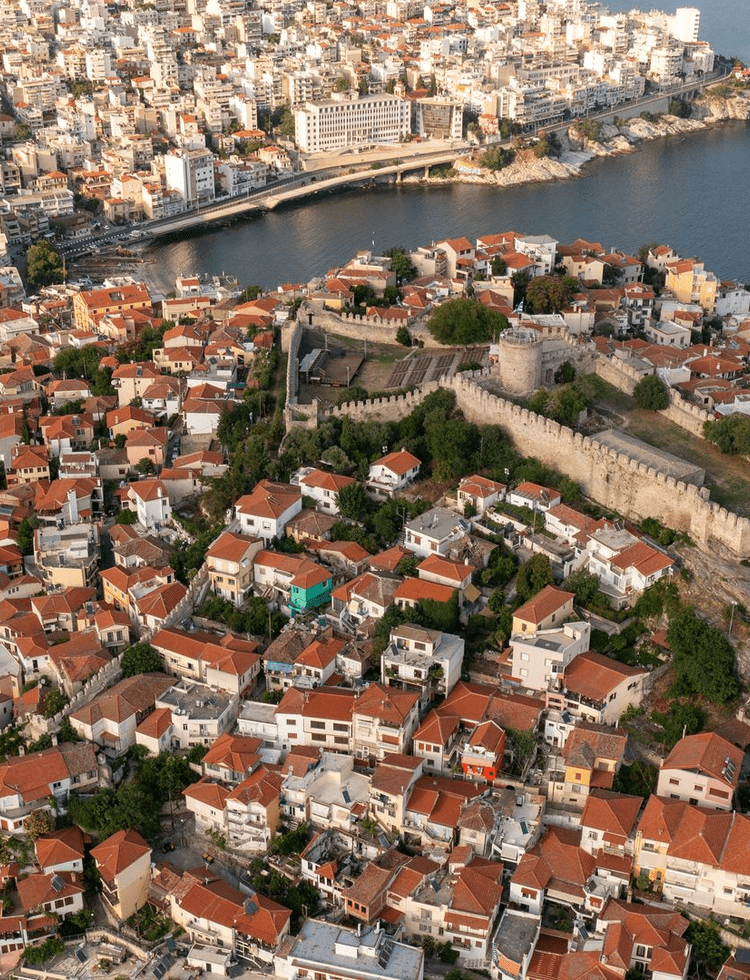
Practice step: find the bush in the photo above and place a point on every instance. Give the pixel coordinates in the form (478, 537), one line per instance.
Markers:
(651, 393)
(36, 955)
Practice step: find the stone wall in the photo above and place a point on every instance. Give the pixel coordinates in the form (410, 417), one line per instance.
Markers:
(614, 479)
(686, 414)
(680, 411)
(618, 373)
(108, 675)
(353, 326)
(611, 478)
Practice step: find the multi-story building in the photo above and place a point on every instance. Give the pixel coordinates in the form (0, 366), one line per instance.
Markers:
(332, 125)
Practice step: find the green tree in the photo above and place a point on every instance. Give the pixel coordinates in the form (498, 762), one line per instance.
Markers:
(708, 947)
(496, 158)
(651, 393)
(547, 294)
(501, 568)
(585, 585)
(523, 745)
(403, 336)
(533, 576)
(25, 535)
(702, 657)
(144, 466)
(681, 717)
(731, 434)
(353, 502)
(140, 658)
(44, 264)
(499, 266)
(337, 460)
(54, 701)
(565, 373)
(401, 264)
(465, 321)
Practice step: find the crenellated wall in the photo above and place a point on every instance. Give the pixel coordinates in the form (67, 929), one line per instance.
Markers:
(618, 373)
(612, 478)
(680, 411)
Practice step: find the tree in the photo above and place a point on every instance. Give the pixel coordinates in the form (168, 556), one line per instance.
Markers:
(708, 947)
(44, 264)
(337, 460)
(500, 569)
(54, 701)
(353, 502)
(140, 658)
(496, 158)
(401, 264)
(565, 373)
(39, 823)
(702, 657)
(465, 321)
(145, 465)
(408, 565)
(731, 434)
(533, 576)
(25, 536)
(403, 336)
(499, 266)
(127, 517)
(651, 393)
(585, 585)
(547, 294)
(523, 745)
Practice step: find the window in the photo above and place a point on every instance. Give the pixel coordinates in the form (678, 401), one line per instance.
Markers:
(674, 782)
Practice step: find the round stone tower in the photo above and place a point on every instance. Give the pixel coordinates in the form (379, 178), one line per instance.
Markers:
(519, 364)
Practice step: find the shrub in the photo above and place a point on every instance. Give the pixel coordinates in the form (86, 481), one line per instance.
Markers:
(651, 393)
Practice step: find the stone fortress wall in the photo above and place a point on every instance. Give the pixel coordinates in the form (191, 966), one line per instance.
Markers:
(612, 478)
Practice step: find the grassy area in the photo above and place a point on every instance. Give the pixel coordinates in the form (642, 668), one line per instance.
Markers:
(727, 476)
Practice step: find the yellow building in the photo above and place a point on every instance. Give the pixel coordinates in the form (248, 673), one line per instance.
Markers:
(689, 282)
(124, 863)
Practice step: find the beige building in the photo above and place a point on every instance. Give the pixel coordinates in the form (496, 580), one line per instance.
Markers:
(124, 864)
(230, 566)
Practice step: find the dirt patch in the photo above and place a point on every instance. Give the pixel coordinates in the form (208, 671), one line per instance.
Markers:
(373, 375)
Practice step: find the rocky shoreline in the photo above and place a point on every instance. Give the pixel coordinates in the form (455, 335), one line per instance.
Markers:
(577, 151)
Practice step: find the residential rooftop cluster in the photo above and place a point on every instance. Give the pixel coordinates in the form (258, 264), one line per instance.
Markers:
(362, 782)
(127, 112)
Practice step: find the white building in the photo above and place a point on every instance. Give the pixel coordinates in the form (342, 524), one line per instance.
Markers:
(332, 125)
(190, 173)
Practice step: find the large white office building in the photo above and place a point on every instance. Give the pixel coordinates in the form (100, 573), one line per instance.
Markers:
(335, 124)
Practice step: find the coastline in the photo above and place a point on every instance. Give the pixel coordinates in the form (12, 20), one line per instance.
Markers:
(577, 151)
(621, 141)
